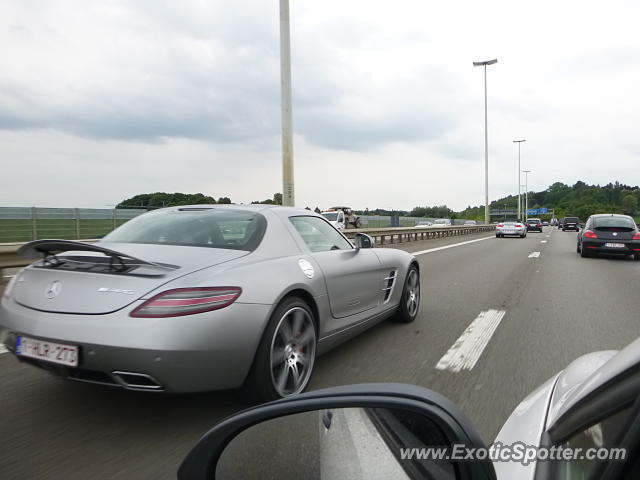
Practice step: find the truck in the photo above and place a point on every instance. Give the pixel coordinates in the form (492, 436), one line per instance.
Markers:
(342, 217)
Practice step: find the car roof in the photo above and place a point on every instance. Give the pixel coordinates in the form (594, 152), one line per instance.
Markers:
(617, 215)
(253, 207)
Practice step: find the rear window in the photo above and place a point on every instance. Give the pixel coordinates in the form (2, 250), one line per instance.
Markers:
(571, 220)
(331, 216)
(614, 224)
(533, 220)
(214, 228)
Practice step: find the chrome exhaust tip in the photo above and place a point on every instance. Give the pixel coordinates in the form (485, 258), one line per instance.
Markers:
(136, 381)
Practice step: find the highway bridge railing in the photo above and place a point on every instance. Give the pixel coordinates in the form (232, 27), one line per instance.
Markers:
(9, 257)
(386, 236)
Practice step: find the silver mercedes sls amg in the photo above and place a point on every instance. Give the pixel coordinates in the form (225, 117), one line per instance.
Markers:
(200, 298)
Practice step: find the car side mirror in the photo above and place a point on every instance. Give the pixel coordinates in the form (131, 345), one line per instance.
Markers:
(354, 431)
(363, 240)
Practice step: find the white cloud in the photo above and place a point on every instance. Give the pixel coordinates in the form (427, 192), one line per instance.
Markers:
(388, 110)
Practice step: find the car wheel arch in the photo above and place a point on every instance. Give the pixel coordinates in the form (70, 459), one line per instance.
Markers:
(295, 292)
(307, 297)
(414, 263)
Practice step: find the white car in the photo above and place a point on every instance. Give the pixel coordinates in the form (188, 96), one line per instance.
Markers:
(423, 224)
(511, 228)
(335, 218)
(441, 222)
(470, 222)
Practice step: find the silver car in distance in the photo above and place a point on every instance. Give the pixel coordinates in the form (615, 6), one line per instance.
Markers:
(200, 298)
(511, 228)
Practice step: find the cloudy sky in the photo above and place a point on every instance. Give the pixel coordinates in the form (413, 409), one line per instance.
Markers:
(100, 101)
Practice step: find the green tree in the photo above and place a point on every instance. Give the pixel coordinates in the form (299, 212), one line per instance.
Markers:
(276, 200)
(163, 199)
(629, 204)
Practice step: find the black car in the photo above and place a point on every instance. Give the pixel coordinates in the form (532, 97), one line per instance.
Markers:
(560, 222)
(534, 225)
(609, 233)
(571, 223)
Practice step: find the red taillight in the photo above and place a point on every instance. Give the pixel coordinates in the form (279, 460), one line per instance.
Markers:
(500, 225)
(187, 301)
(636, 236)
(589, 234)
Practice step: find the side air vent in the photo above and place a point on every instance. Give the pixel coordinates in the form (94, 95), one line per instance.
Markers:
(389, 282)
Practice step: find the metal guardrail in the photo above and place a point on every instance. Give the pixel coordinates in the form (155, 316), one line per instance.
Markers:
(9, 257)
(402, 235)
(22, 224)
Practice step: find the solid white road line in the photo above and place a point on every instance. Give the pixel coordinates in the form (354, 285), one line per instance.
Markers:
(437, 249)
(464, 354)
(534, 254)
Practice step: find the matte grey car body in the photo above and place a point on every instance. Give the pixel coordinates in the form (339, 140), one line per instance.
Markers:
(590, 404)
(344, 290)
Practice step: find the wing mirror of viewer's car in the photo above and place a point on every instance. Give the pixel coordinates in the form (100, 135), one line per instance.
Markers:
(355, 431)
(363, 240)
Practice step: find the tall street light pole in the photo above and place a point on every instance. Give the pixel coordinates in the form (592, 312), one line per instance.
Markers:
(526, 192)
(519, 206)
(288, 196)
(486, 140)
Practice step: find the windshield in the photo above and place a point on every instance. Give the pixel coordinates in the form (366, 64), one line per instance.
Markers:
(213, 228)
(614, 224)
(331, 216)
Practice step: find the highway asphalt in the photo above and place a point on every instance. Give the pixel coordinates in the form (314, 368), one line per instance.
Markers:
(553, 308)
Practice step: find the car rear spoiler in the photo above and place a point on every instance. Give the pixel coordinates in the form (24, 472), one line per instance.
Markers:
(47, 249)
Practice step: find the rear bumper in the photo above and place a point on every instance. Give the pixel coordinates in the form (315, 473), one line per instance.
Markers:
(536, 229)
(571, 227)
(203, 352)
(598, 246)
(516, 233)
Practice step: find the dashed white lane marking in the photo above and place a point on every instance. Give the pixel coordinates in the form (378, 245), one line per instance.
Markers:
(547, 236)
(466, 351)
(534, 254)
(543, 241)
(3, 349)
(437, 249)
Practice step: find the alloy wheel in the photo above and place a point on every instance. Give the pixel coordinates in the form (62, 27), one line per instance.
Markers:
(293, 351)
(413, 293)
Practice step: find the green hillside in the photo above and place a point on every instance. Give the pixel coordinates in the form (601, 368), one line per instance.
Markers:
(580, 200)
